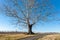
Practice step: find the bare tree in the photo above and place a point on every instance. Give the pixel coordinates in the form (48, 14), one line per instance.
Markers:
(28, 12)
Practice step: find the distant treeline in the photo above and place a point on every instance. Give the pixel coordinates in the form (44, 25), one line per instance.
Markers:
(16, 32)
(12, 32)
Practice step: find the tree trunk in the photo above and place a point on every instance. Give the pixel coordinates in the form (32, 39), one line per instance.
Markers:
(30, 29)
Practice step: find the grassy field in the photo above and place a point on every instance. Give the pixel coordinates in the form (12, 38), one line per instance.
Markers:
(51, 37)
(16, 36)
(13, 36)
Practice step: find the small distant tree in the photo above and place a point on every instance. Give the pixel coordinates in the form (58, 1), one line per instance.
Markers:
(28, 12)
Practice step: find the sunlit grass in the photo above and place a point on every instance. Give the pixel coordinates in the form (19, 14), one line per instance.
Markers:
(51, 37)
(13, 36)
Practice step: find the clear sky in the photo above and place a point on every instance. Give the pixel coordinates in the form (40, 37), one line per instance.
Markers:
(54, 26)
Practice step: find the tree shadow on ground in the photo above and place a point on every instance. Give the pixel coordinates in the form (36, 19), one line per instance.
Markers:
(33, 37)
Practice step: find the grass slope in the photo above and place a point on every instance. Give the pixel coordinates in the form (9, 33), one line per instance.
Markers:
(51, 37)
(13, 36)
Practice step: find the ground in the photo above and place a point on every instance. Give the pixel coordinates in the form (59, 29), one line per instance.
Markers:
(13, 36)
(23, 36)
(51, 37)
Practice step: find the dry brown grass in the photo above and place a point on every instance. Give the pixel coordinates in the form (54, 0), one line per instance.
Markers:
(13, 36)
(51, 37)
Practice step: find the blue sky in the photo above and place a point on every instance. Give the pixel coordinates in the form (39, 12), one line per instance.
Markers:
(54, 26)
